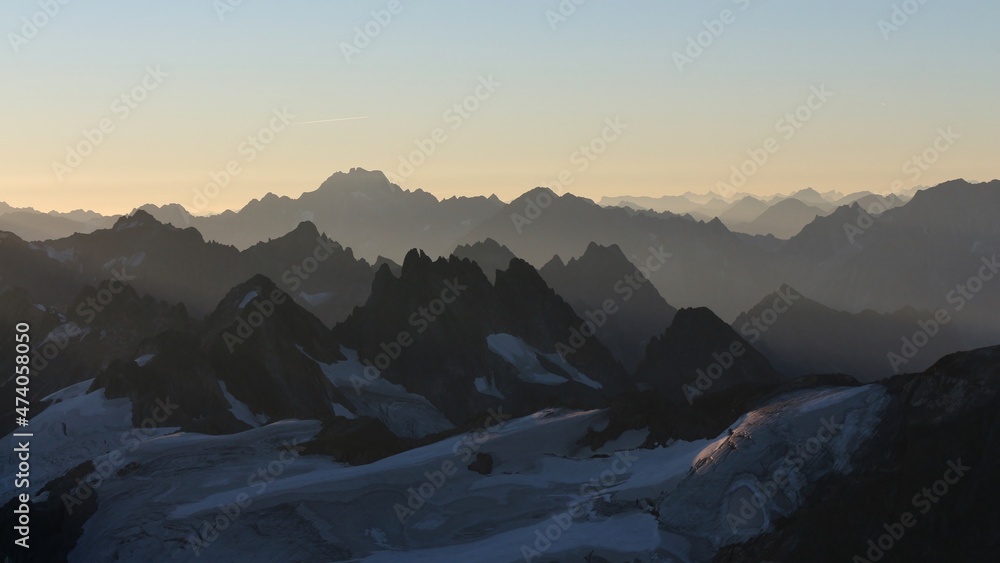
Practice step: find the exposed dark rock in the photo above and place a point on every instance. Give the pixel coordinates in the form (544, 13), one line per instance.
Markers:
(949, 417)
(699, 356)
(483, 464)
(605, 288)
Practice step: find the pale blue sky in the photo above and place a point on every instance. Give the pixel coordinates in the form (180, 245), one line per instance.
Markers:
(609, 59)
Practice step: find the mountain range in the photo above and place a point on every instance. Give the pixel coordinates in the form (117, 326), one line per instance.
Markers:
(414, 379)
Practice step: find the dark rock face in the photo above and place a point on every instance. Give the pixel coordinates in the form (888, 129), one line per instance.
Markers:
(107, 324)
(947, 429)
(177, 387)
(357, 442)
(809, 338)
(259, 346)
(699, 356)
(483, 464)
(167, 262)
(17, 306)
(706, 418)
(272, 367)
(430, 329)
(418, 340)
(320, 274)
(544, 320)
(603, 286)
(61, 525)
(112, 320)
(29, 267)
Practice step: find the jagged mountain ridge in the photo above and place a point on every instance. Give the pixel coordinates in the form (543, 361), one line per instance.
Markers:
(806, 337)
(359, 209)
(604, 287)
(443, 331)
(180, 266)
(698, 356)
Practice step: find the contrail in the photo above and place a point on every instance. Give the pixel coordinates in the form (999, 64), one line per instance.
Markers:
(330, 120)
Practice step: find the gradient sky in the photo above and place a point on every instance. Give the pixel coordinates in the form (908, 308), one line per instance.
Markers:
(609, 59)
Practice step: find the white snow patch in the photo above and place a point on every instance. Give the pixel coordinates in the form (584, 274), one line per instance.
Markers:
(405, 414)
(767, 448)
(540, 470)
(64, 333)
(240, 409)
(523, 357)
(70, 392)
(518, 353)
(378, 536)
(123, 262)
(247, 299)
(64, 256)
(144, 359)
(341, 410)
(488, 388)
(408, 465)
(528, 486)
(315, 299)
(813, 400)
(137, 259)
(77, 427)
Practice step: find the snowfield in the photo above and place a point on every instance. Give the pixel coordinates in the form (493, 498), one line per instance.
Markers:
(406, 414)
(522, 356)
(255, 496)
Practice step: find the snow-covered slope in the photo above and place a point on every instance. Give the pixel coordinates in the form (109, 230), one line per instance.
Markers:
(406, 414)
(256, 496)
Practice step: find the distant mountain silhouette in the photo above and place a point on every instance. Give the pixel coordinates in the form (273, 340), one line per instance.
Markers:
(168, 262)
(739, 210)
(711, 205)
(296, 346)
(603, 275)
(489, 254)
(30, 224)
(172, 214)
(922, 255)
(784, 219)
(180, 266)
(811, 198)
(359, 209)
(40, 226)
(915, 255)
(685, 255)
(810, 338)
(743, 211)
